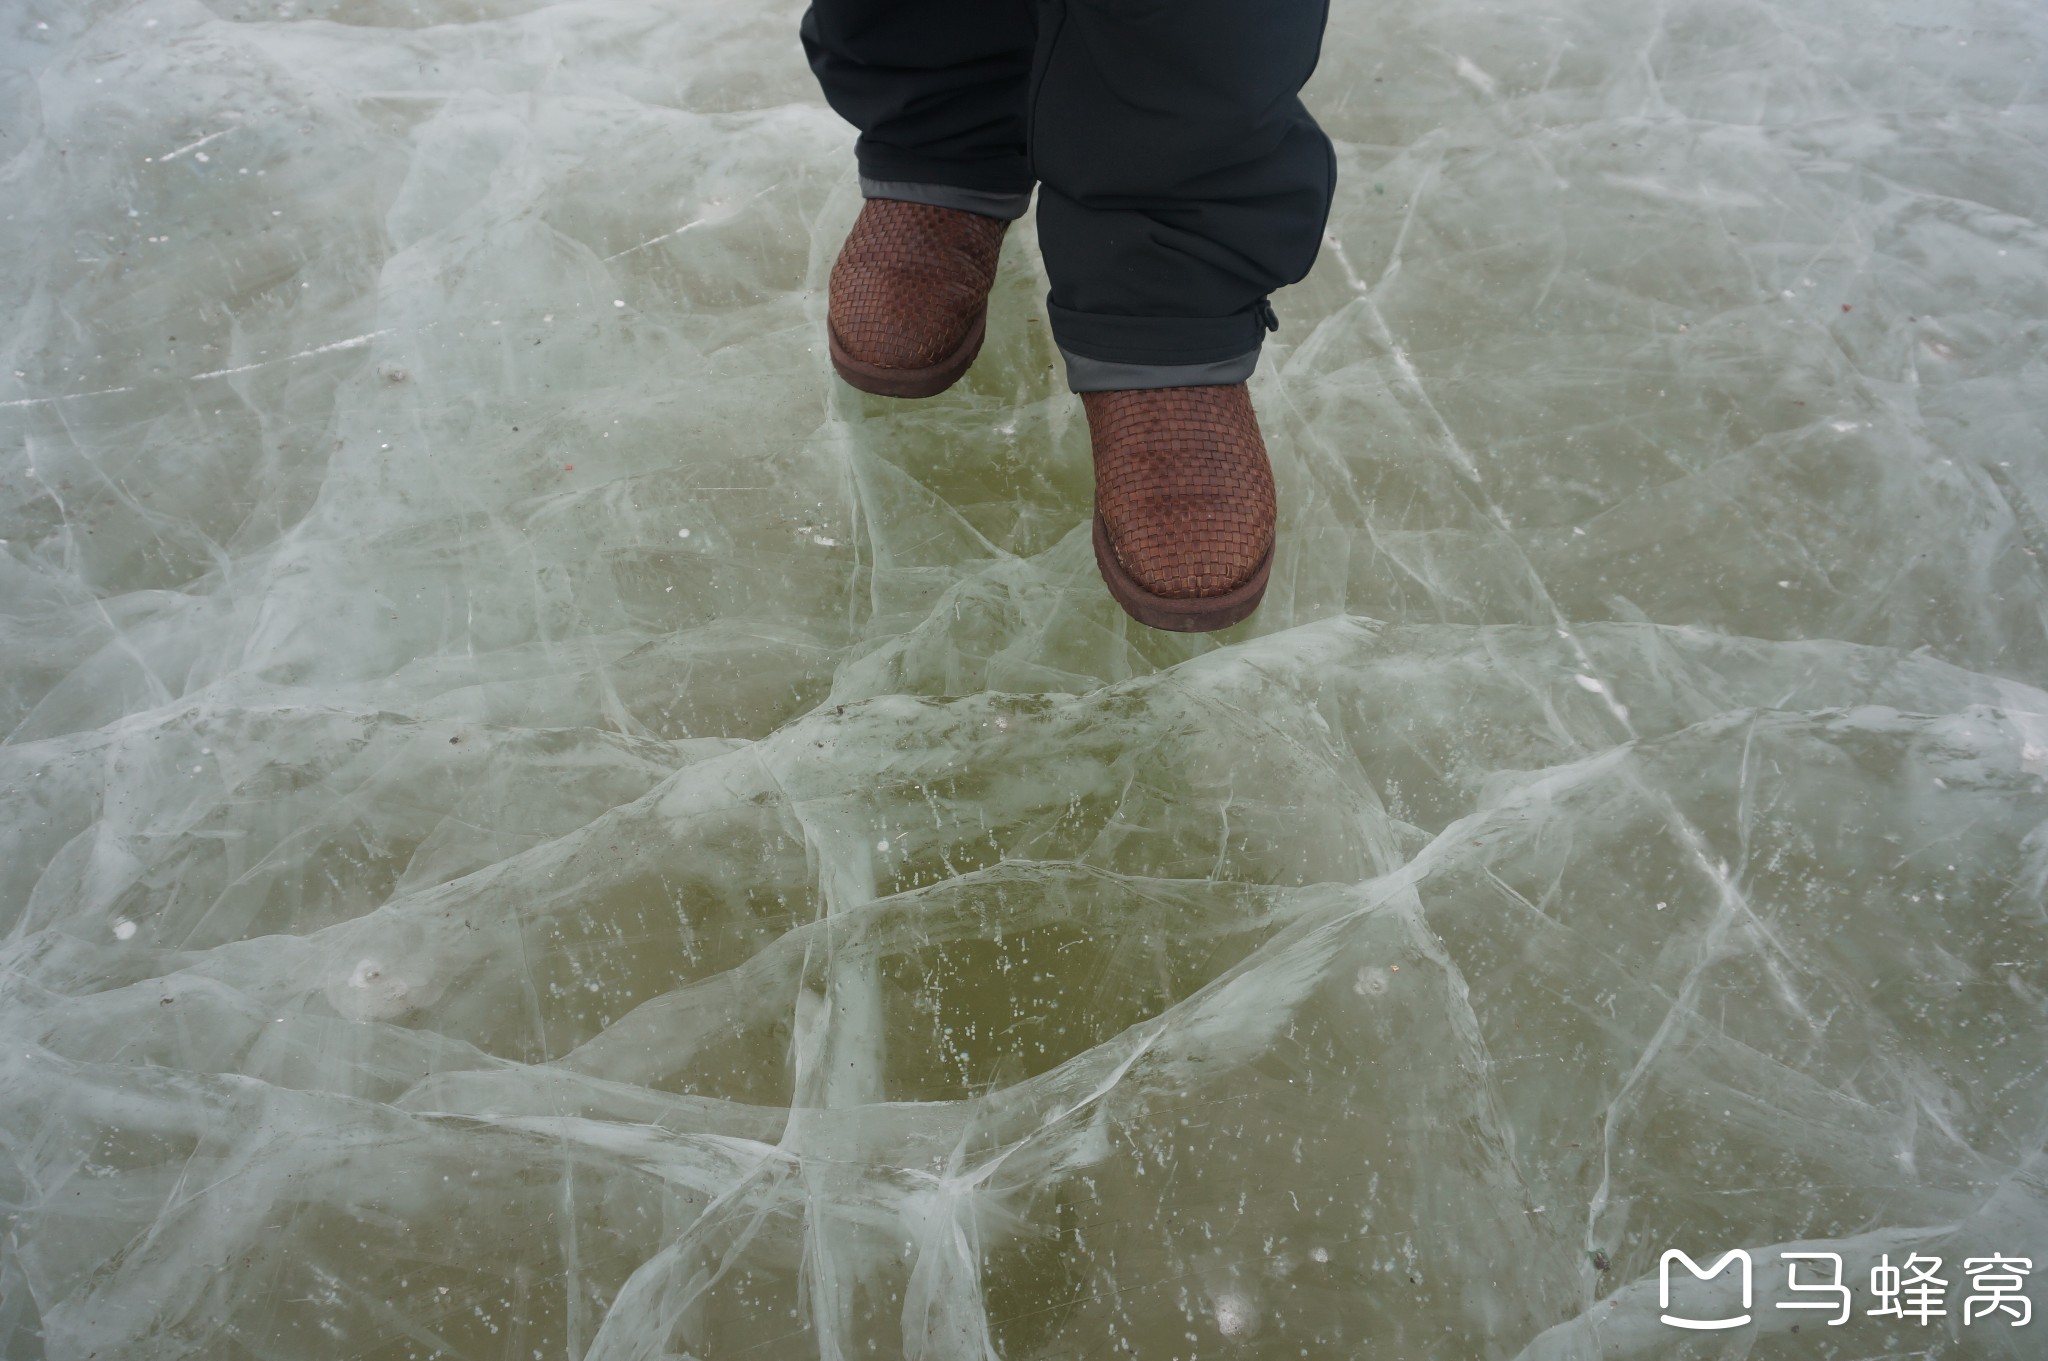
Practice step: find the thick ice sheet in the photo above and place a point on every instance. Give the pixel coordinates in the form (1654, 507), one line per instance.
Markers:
(539, 825)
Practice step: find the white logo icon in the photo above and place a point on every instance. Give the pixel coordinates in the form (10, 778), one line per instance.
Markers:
(1664, 1287)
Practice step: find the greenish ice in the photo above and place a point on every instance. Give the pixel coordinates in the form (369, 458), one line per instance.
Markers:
(538, 825)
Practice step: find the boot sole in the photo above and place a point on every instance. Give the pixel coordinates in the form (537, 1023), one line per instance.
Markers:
(1194, 614)
(925, 382)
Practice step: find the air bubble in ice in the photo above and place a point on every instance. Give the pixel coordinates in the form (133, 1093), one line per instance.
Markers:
(377, 988)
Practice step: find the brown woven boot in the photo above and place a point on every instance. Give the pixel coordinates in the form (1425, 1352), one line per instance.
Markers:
(909, 296)
(1184, 507)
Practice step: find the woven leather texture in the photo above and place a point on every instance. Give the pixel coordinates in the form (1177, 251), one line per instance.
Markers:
(910, 280)
(1183, 486)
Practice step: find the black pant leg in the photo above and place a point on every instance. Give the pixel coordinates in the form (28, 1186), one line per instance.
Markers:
(1181, 179)
(936, 87)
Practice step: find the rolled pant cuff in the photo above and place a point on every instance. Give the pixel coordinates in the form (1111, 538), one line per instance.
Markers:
(1107, 353)
(986, 202)
(1107, 375)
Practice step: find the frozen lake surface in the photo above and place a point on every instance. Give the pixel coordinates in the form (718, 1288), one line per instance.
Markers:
(537, 824)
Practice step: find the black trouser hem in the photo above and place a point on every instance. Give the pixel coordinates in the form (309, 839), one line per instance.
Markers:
(1101, 375)
(893, 165)
(1158, 340)
(987, 203)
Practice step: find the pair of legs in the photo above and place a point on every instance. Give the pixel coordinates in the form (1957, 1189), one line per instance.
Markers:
(1179, 182)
